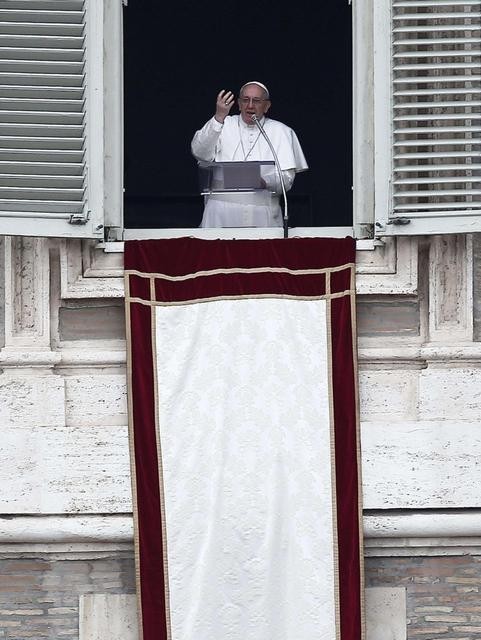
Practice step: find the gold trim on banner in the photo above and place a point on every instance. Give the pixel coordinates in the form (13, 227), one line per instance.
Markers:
(176, 303)
(243, 270)
(152, 288)
(335, 542)
(163, 523)
(358, 450)
(133, 471)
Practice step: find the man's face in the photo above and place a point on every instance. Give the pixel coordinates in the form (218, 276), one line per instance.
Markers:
(252, 101)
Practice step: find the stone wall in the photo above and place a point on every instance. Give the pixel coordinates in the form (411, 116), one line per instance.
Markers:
(443, 593)
(39, 596)
(63, 422)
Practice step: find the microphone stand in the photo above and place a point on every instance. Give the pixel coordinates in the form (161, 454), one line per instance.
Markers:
(285, 218)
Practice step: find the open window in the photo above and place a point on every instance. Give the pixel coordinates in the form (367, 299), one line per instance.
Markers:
(177, 58)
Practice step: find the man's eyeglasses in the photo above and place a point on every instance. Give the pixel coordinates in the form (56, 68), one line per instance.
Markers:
(255, 101)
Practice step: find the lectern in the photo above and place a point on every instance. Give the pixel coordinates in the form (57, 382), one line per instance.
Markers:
(236, 177)
(248, 182)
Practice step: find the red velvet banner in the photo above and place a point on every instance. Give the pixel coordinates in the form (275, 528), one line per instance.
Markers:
(163, 274)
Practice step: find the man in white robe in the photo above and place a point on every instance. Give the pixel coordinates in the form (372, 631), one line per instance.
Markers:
(226, 138)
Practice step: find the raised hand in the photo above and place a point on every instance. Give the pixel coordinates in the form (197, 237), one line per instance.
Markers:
(225, 100)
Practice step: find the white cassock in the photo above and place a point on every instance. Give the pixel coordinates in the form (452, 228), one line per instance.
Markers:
(237, 141)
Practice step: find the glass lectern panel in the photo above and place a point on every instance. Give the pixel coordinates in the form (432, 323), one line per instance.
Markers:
(233, 177)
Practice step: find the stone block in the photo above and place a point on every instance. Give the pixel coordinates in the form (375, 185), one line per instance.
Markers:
(386, 613)
(65, 470)
(388, 394)
(31, 400)
(428, 464)
(108, 617)
(450, 393)
(98, 320)
(96, 399)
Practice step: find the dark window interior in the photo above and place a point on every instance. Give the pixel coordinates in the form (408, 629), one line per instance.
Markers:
(178, 55)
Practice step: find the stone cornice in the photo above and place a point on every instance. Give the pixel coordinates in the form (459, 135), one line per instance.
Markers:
(385, 528)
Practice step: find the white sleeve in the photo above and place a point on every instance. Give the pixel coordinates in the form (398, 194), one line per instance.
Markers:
(273, 183)
(205, 140)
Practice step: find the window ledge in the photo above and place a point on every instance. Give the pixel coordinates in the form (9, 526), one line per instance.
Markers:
(297, 232)
(254, 233)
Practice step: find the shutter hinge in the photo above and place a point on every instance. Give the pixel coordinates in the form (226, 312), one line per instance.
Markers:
(399, 221)
(79, 218)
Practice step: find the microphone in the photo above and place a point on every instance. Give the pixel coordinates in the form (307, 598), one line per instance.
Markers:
(285, 219)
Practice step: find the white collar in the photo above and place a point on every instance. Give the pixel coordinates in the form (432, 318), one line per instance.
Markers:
(249, 126)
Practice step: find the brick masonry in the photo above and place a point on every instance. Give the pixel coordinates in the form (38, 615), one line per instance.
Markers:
(443, 594)
(39, 597)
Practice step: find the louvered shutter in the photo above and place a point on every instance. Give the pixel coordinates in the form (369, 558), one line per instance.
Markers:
(44, 154)
(435, 117)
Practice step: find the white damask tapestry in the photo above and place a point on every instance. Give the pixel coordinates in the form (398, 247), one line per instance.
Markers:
(243, 418)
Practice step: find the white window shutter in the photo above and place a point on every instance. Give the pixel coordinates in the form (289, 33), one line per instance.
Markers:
(432, 150)
(48, 111)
